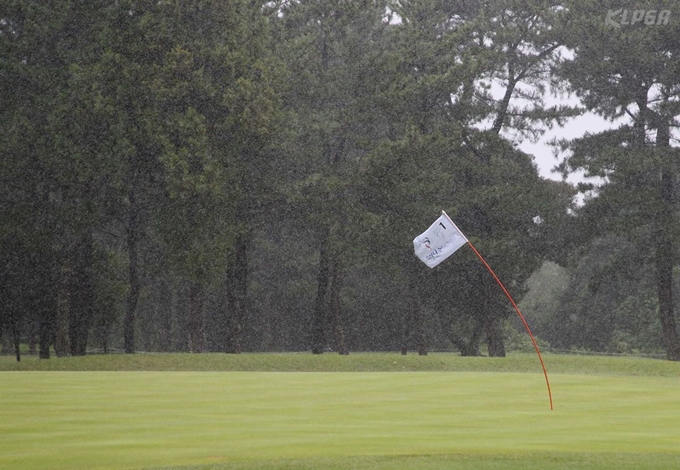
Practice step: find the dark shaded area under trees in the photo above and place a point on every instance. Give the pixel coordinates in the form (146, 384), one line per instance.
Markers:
(237, 176)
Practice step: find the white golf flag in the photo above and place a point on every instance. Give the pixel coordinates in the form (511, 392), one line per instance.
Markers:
(439, 241)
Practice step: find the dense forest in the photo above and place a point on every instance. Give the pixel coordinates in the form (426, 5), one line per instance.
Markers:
(239, 175)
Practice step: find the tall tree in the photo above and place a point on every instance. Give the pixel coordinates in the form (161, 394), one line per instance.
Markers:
(331, 50)
(183, 96)
(217, 88)
(59, 186)
(440, 159)
(631, 70)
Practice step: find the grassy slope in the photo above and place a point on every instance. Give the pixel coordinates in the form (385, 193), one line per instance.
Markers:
(364, 362)
(609, 412)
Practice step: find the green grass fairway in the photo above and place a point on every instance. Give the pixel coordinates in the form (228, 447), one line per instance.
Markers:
(360, 420)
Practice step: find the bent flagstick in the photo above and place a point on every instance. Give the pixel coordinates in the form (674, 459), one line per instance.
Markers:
(444, 238)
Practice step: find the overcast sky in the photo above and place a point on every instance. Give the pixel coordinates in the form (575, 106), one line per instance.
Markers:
(576, 127)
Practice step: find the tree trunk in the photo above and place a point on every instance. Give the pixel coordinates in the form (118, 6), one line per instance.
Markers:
(82, 295)
(335, 307)
(32, 332)
(16, 336)
(132, 230)
(505, 102)
(62, 345)
(471, 348)
(196, 318)
(665, 252)
(45, 334)
(163, 305)
(494, 336)
(47, 313)
(664, 265)
(105, 339)
(318, 322)
(414, 318)
(492, 321)
(237, 293)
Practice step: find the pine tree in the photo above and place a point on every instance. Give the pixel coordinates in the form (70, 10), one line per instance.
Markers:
(631, 70)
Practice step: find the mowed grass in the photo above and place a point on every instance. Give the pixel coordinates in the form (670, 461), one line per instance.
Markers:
(360, 362)
(373, 411)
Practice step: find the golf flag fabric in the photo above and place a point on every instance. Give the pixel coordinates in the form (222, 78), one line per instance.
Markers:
(439, 241)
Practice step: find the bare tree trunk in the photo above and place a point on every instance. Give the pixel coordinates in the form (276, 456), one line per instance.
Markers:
(336, 308)
(105, 339)
(492, 323)
(46, 315)
(318, 322)
(414, 318)
(665, 253)
(132, 230)
(16, 336)
(664, 266)
(494, 336)
(32, 332)
(45, 333)
(15, 327)
(82, 295)
(196, 318)
(237, 293)
(471, 348)
(505, 102)
(62, 344)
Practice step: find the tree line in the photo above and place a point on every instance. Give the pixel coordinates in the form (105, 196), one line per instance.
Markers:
(248, 176)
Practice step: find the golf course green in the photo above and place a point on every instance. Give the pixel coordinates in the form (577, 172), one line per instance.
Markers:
(608, 415)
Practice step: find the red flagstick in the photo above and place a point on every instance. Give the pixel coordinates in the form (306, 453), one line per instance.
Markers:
(545, 373)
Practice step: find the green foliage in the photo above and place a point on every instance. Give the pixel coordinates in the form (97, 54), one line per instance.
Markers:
(518, 340)
(545, 287)
(296, 148)
(629, 71)
(603, 301)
